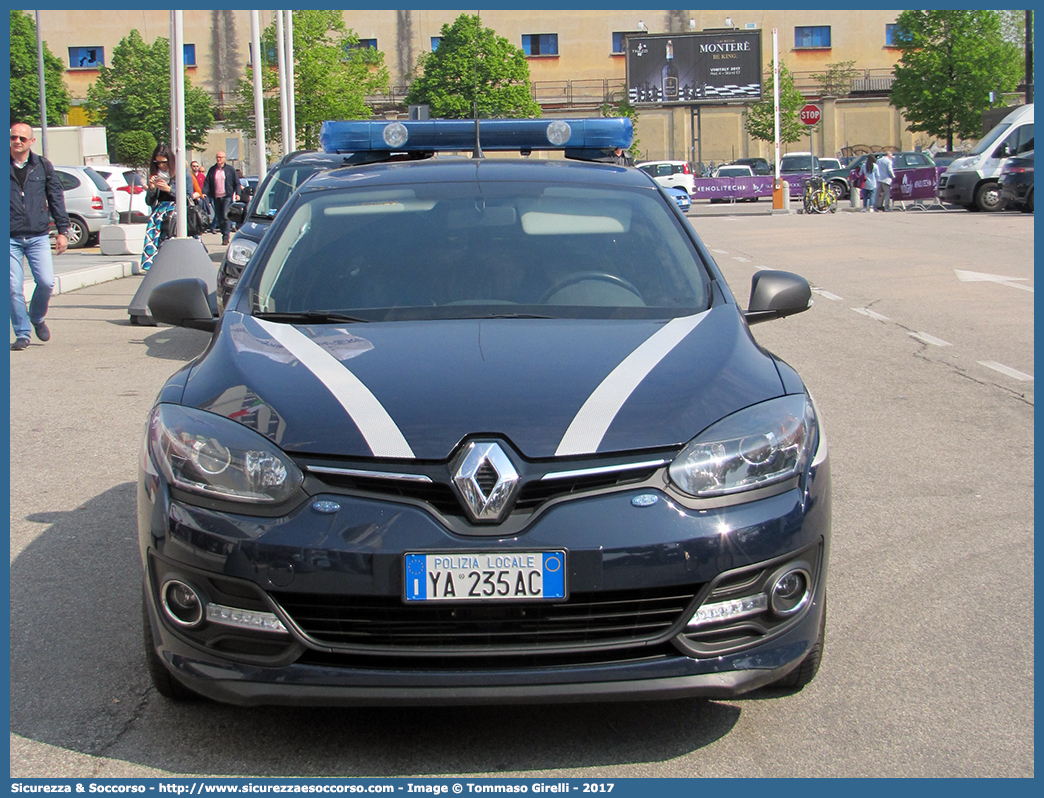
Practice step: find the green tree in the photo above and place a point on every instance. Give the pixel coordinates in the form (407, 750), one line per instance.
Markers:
(25, 76)
(133, 94)
(761, 116)
(950, 61)
(133, 148)
(837, 80)
(473, 61)
(332, 76)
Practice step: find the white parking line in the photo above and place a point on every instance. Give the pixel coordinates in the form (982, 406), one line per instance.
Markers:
(827, 294)
(740, 259)
(1005, 370)
(930, 339)
(720, 251)
(871, 314)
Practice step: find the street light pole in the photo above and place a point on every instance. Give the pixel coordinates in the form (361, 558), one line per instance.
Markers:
(43, 87)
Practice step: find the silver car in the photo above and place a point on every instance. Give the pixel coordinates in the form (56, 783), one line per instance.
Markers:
(89, 201)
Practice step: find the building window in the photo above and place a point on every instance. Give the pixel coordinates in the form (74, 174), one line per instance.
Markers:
(190, 54)
(367, 44)
(86, 57)
(812, 36)
(891, 36)
(619, 42)
(435, 43)
(540, 43)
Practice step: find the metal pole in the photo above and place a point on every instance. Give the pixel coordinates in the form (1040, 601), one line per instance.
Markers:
(1029, 56)
(43, 87)
(281, 61)
(259, 105)
(178, 172)
(291, 93)
(775, 94)
(173, 89)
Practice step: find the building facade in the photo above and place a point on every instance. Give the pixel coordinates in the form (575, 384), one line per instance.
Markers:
(577, 63)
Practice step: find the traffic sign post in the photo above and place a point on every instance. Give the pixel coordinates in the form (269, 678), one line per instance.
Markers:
(811, 115)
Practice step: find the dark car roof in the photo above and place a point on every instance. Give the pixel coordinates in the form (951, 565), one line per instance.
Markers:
(436, 170)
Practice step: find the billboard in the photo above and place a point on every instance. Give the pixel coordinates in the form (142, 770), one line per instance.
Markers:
(694, 68)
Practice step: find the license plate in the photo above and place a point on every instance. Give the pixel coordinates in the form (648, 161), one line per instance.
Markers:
(485, 576)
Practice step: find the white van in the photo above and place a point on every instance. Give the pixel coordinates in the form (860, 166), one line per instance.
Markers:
(972, 181)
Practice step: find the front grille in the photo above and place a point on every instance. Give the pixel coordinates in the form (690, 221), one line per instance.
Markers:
(626, 617)
(571, 659)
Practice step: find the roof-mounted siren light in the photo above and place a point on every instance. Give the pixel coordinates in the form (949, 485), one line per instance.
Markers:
(449, 135)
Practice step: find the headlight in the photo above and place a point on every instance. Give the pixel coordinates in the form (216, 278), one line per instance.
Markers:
(239, 252)
(757, 446)
(209, 454)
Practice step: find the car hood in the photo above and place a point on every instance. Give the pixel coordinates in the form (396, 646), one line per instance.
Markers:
(417, 389)
(252, 229)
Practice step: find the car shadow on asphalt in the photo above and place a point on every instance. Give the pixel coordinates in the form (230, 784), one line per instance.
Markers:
(173, 343)
(78, 682)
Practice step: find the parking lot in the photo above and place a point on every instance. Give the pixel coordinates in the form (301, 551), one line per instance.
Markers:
(919, 352)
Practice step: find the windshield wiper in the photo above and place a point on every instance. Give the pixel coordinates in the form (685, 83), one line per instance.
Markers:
(312, 316)
(510, 316)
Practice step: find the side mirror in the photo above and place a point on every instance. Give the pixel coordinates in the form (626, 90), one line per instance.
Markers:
(775, 294)
(236, 212)
(184, 303)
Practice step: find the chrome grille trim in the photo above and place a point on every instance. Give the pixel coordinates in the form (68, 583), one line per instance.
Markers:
(599, 470)
(358, 472)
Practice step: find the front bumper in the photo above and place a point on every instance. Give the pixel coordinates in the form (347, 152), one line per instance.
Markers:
(958, 188)
(613, 547)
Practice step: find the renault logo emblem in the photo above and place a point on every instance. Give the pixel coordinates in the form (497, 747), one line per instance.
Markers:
(486, 480)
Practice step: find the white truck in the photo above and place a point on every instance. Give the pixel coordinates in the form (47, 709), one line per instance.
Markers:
(972, 181)
(73, 146)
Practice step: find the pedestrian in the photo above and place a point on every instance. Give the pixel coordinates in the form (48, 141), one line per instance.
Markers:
(245, 192)
(36, 194)
(220, 185)
(885, 175)
(869, 175)
(622, 157)
(198, 176)
(161, 196)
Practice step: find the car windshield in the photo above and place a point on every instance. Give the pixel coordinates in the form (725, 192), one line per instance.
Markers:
(97, 179)
(453, 250)
(278, 186)
(797, 163)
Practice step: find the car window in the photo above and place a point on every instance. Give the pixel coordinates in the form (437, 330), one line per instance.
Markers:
(436, 250)
(97, 179)
(797, 163)
(279, 185)
(67, 180)
(133, 178)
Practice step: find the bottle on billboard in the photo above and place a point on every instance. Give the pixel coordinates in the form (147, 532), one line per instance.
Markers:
(670, 75)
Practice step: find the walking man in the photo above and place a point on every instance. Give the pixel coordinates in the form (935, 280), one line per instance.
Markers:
(885, 176)
(36, 194)
(220, 185)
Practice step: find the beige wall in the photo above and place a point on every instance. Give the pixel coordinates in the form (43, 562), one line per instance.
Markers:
(222, 40)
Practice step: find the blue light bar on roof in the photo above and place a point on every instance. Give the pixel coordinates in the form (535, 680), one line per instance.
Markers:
(459, 134)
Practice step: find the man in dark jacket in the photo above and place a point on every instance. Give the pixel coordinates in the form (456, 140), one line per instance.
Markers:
(220, 185)
(36, 193)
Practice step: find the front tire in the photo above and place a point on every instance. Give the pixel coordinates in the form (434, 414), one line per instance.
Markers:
(987, 196)
(78, 233)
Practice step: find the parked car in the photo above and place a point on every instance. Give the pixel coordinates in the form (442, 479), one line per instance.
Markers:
(840, 184)
(89, 201)
(253, 220)
(129, 188)
(799, 163)
(1016, 182)
(681, 198)
(475, 431)
(672, 174)
(760, 166)
(734, 170)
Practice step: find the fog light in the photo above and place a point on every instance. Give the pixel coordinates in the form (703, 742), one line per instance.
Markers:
(182, 603)
(728, 610)
(245, 619)
(790, 592)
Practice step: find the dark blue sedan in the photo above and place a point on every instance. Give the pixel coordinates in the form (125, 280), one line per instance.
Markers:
(477, 430)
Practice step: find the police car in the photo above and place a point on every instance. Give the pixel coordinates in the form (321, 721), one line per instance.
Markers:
(482, 429)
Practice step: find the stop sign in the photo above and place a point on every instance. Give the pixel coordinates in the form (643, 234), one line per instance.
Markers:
(810, 114)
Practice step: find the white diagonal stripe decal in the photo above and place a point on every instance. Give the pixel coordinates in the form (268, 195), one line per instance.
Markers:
(381, 434)
(589, 426)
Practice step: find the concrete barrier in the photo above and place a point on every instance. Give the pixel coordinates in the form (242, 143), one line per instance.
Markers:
(122, 239)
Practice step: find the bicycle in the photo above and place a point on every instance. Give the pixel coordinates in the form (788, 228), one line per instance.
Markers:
(818, 197)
